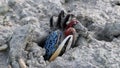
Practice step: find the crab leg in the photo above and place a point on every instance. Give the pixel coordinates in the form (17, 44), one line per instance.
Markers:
(60, 18)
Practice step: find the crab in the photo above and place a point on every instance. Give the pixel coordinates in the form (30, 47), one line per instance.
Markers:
(65, 33)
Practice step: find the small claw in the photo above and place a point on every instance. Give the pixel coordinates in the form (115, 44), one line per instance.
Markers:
(71, 31)
(22, 63)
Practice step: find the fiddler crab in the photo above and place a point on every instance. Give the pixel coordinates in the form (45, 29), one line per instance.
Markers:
(65, 33)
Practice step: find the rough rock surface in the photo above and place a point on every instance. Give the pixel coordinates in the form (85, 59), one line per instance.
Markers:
(100, 17)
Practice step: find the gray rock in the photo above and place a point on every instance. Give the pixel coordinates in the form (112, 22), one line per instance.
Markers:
(3, 59)
(28, 20)
(39, 35)
(3, 9)
(5, 34)
(37, 50)
(23, 36)
(110, 31)
(35, 56)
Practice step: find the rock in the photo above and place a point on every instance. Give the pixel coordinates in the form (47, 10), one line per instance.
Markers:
(39, 36)
(35, 56)
(28, 20)
(3, 9)
(5, 34)
(3, 59)
(110, 31)
(23, 36)
(15, 64)
(37, 50)
(11, 3)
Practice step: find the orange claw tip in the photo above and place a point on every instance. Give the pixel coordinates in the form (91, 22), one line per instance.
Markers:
(69, 31)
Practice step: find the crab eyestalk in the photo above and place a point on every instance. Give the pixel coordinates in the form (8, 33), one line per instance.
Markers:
(56, 22)
(67, 19)
(71, 23)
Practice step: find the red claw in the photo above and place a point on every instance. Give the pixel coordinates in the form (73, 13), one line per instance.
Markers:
(71, 23)
(69, 31)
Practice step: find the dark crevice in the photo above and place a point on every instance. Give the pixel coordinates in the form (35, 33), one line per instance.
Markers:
(108, 38)
(42, 43)
(115, 3)
(118, 3)
(101, 36)
(116, 36)
(105, 38)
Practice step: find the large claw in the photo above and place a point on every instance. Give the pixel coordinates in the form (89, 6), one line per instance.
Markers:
(71, 31)
(58, 51)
